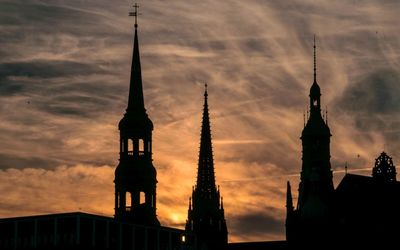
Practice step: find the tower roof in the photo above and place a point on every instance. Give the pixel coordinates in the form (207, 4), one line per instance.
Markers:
(205, 174)
(136, 116)
(315, 124)
(136, 100)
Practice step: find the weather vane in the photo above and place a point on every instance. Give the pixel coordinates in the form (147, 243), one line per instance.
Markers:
(135, 13)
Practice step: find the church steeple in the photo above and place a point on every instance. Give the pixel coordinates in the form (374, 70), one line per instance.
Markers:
(316, 174)
(309, 224)
(206, 212)
(135, 176)
(206, 175)
(136, 100)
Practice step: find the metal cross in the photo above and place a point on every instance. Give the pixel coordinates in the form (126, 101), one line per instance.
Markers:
(135, 13)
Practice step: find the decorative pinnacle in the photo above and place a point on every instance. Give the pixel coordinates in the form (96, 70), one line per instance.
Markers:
(205, 92)
(135, 13)
(315, 61)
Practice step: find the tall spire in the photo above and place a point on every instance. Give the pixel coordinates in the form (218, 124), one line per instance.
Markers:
(135, 176)
(136, 100)
(205, 175)
(206, 215)
(315, 62)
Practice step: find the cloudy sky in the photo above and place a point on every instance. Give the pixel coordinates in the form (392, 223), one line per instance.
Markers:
(64, 77)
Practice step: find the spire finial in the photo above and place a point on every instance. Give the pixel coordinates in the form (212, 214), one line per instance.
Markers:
(135, 13)
(205, 89)
(315, 61)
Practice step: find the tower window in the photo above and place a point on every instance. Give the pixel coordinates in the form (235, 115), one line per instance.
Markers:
(141, 146)
(128, 200)
(142, 198)
(315, 103)
(130, 146)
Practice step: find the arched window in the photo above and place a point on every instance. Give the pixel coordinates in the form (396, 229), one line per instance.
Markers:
(141, 146)
(131, 146)
(142, 198)
(128, 200)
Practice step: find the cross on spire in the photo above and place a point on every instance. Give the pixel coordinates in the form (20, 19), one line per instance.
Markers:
(135, 13)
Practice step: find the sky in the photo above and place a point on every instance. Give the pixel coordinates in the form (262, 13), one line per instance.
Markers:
(64, 80)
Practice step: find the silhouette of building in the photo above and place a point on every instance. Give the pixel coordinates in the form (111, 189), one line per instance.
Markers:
(82, 231)
(135, 176)
(362, 212)
(135, 224)
(311, 220)
(206, 217)
(368, 207)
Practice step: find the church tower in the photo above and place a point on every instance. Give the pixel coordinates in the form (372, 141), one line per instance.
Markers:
(135, 176)
(310, 222)
(206, 210)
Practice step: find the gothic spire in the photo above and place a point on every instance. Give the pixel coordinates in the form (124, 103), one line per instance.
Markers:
(136, 100)
(205, 174)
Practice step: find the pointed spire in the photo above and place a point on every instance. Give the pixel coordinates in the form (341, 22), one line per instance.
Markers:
(289, 199)
(222, 203)
(315, 62)
(136, 100)
(205, 175)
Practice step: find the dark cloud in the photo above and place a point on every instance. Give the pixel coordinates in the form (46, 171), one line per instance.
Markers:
(373, 103)
(254, 224)
(9, 87)
(15, 161)
(50, 17)
(378, 93)
(48, 69)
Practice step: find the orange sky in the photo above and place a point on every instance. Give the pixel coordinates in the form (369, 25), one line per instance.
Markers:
(64, 77)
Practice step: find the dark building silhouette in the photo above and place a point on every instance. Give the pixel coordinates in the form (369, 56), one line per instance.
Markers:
(368, 207)
(206, 217)
(135, 225)
(82, 231)
(135, 176)
(362, 212)
(311, 220)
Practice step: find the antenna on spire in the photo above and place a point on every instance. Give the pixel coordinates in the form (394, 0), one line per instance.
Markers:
(315, 61)
(135, 13)
(205, 87)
